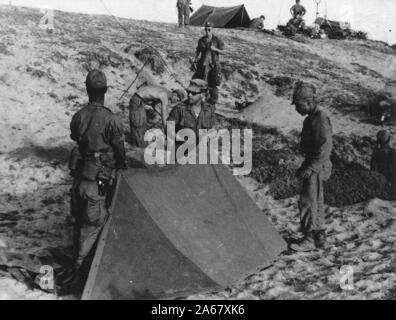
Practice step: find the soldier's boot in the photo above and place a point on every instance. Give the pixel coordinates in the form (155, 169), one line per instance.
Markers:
(307, 244)
(320, 239)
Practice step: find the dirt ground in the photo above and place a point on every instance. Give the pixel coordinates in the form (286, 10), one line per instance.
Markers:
(42, 85)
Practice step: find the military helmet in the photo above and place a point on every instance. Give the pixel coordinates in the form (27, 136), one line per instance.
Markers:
(96, 79)
(383, 137)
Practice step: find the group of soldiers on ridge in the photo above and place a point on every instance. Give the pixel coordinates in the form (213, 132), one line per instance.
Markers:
(101, 152)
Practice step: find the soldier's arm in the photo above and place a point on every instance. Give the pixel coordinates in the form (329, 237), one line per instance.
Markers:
(164, 108)
(116, 136)
(373, 162)
(304, 12)
(74, 128)
(174, 117)
(322, 143)
(198, 51)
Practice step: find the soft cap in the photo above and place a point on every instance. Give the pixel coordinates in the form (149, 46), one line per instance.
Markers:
(96, 79)
(304, 92)
(197, 86)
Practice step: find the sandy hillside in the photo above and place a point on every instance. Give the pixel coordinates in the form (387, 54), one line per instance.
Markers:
(42, 85)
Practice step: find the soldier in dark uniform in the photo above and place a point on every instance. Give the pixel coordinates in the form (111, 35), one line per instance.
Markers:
(384, 160)
(316, 145)
(99, 135)
(207, 60)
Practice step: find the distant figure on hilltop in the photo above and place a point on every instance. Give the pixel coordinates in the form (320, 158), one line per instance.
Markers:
(384, 160)
(207, 60)
(298, 12)
(184, 10)
(257, 23)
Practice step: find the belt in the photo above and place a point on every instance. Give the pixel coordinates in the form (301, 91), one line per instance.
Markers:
(97, 157)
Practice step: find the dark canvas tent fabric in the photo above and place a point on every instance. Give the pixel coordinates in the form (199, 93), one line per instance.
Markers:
(178, 231)
(221, 17)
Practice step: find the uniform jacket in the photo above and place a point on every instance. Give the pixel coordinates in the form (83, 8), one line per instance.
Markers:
(97, 130)
(185, 118)
(316, 141)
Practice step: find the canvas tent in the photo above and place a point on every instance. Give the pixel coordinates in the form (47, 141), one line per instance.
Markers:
(221, 17)
(177, 231)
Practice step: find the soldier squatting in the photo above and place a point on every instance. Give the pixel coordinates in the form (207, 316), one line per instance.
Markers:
(100, 151)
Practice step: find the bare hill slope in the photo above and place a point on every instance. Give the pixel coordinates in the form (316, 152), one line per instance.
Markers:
(42, 85)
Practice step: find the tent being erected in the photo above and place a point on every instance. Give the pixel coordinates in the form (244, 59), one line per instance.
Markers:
(177, 231)
(221, 17)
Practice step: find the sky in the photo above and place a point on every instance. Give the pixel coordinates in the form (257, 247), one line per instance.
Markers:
(377, 17)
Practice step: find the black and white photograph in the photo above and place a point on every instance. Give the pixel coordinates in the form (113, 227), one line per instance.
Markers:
(198, 150)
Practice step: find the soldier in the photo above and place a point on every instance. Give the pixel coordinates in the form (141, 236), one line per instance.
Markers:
(99, 135)
(316, 145)
(298, 12)
(207, 59)
(257, 23)
(184, 10)
(195, 113)
(384, 160)
(149, 95)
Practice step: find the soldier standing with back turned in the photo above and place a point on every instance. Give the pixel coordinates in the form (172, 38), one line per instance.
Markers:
(99, 136)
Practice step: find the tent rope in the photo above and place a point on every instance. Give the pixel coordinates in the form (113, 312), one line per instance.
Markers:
(144, 44)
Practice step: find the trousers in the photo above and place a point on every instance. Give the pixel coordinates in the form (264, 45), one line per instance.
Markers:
(90, 213)
(184, 15)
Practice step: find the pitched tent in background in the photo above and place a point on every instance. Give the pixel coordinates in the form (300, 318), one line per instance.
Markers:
(178, 231)
(221, 17)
